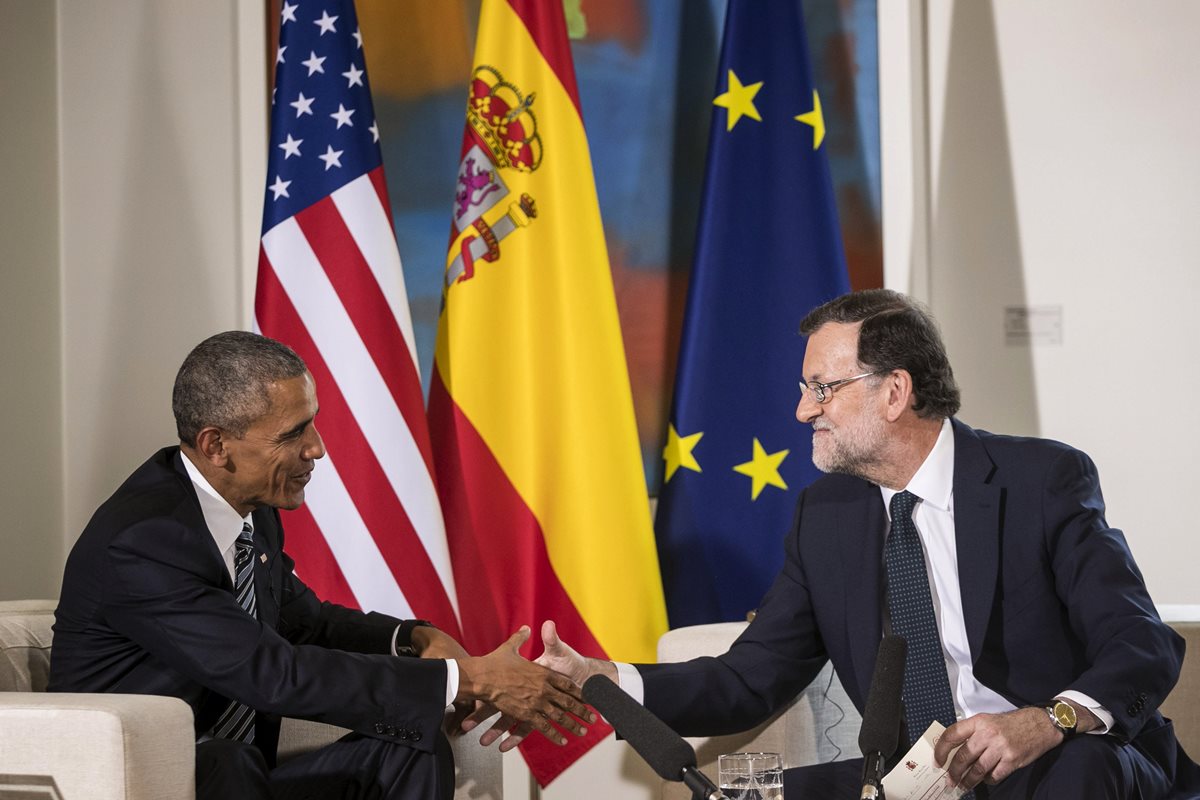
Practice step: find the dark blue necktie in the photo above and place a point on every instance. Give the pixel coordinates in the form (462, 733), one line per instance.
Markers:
(926, 688)
(238, 720)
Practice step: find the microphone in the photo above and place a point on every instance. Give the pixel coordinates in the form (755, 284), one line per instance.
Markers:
(659, 746)
(880, 732)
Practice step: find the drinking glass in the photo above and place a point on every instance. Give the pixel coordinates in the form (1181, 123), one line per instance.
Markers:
(751, 776)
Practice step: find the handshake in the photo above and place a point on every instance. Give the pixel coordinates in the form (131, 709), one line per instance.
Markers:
(543, 695)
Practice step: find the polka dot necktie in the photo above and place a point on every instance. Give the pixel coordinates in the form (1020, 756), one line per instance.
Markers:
(238, 720)
(926, 688)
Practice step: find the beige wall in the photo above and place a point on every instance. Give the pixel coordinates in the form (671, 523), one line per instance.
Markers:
(31, 492)
(128, 235)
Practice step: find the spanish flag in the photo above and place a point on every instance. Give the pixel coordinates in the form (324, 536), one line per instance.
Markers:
(530, 409)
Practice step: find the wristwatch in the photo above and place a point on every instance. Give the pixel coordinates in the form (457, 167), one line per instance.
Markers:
(1062, 714)
(404, 635)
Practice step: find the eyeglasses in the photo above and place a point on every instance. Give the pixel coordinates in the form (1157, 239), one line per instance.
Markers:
(822, 392)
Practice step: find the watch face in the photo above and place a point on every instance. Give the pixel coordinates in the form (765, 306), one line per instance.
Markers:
(1065, 714)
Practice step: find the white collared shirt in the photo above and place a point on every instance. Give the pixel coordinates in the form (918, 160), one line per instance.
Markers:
(225, 525)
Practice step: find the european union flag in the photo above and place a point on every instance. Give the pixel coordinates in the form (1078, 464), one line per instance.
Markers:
(768, 250)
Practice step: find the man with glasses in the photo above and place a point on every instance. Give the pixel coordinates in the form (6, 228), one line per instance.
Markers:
(1030, 633)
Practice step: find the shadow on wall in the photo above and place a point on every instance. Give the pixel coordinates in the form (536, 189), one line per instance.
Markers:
(161, 300)
(975, 249)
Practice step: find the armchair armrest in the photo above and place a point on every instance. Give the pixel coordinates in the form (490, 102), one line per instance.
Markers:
(99, 746)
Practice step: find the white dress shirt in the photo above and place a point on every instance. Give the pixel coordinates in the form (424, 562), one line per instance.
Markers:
(225, 525)
(933, 484)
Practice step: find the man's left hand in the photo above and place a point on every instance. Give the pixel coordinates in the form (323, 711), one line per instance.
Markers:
(995, 746)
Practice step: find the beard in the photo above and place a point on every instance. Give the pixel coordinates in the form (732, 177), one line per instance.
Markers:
(855, 449)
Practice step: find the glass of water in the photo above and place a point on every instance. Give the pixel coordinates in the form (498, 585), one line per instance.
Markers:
(751, 776)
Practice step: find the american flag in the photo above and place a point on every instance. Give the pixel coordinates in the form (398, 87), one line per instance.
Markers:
(370, 533)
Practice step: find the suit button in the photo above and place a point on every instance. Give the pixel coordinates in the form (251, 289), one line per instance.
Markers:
(379, 727)
(391, 730)
(415, 737)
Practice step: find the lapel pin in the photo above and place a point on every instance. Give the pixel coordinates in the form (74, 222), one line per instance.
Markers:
(263, 558)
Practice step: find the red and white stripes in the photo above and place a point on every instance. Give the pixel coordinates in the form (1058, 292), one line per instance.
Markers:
(331, 286)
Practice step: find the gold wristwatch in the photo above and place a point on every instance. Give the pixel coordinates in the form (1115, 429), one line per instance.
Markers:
(1062, 714)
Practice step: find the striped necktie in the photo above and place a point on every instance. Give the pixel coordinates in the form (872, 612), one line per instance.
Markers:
(238, 720)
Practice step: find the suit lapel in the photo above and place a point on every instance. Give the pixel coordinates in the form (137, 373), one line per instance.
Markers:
(192, 517)
(862, 524)
(977, 507)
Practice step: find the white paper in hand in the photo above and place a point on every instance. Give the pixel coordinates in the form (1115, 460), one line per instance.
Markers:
(917, 776)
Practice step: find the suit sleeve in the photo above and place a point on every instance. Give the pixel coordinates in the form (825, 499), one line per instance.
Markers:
(769, 664)
(166, 595)
(1131, 657)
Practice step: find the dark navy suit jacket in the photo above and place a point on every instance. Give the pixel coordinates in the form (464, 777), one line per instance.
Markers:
(1051, 596)
(147, 607)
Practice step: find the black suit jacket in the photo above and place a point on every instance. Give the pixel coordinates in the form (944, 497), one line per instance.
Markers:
(147, 607)
(1052, 600)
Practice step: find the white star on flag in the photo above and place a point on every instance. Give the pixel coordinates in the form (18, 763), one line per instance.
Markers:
(303, 105)
(279, 54)
(342, 115)
(358, 38)
(289, 12)
(291, 147)
(326, 23)
(331, 157)
(313, 63)
(354, 76)
(280, 187)
(374, 129)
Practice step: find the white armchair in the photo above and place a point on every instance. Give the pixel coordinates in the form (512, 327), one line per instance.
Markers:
(132, 747)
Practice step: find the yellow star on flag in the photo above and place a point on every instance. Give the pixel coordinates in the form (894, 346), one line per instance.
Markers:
(678, 452)
(816, 119)
(762, 469)
(738, 100)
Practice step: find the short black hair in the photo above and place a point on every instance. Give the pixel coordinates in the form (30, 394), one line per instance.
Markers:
(223, 382)
(896, 333)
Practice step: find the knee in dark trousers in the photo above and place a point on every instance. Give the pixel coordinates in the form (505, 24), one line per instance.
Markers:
(1083, 766)
(358, 767)
(226, 769)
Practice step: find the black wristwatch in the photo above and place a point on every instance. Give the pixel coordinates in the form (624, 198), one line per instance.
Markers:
(1062, 714)
(404, 635)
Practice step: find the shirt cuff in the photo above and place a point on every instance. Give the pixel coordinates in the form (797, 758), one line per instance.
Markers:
(451, 681)
(630, 681)
(1106, 719)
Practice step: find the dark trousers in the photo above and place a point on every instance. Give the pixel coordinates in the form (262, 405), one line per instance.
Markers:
(355, 767)
(1094, 767)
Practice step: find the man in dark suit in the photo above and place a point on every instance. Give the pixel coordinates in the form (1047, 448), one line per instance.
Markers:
(1030, 632)
(180, 586)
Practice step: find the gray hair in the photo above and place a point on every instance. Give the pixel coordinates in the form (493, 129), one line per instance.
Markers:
(223, 382)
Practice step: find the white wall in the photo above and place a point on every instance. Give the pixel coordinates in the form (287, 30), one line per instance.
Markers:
(1057, 166)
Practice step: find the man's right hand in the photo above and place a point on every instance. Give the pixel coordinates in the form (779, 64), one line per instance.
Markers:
(562, 658)
(527, 695)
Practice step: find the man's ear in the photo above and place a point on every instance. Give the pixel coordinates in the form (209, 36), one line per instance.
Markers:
(210, 444)
(899, 393)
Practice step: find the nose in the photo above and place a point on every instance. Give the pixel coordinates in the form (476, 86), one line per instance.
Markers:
(314, 449)
(808, 408)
